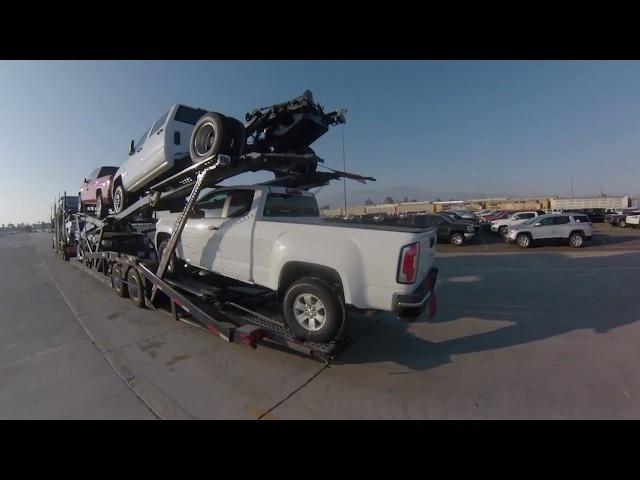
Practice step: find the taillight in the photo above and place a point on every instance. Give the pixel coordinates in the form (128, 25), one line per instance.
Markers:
(408, 268)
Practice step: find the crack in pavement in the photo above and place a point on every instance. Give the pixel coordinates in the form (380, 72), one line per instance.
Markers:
(316, 374)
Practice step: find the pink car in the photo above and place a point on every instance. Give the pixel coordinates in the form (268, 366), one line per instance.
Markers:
(94, 192)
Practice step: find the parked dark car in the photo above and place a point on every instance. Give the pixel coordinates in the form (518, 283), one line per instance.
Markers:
(456, 217)
(449, 231)
(596, 215)
(618, 219)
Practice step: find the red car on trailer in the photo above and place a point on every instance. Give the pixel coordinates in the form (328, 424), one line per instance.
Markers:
(94, 191)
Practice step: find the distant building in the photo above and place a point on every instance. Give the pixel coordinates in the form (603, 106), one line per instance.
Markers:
(591, 202)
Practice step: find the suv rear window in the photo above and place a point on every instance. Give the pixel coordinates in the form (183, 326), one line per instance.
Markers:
(188, 115)
(581, 219)
(284, 205)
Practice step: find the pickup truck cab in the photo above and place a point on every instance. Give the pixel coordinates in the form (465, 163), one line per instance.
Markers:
(501, 225)
(273, 237)
(163, 149)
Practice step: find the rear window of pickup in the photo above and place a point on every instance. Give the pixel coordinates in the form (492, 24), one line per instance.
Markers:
(284, 205)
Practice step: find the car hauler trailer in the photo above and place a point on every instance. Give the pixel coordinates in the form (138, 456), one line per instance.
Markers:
(118, 251)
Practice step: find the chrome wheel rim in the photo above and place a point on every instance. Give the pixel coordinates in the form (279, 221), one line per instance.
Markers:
(99, 207)
(524, 241)
(457, 239)
(204, 138)
(309, 312)
(577, 241)
(117, 199)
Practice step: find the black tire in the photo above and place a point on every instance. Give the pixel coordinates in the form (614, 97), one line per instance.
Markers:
(118, 283)
(457, 239)
(622, 223)
(212, 134)
(332, 307)
(135, 288)
(100, 213)
(524, 240)
(120, 200)
(238, 133)
(174, 266)
(576, 240)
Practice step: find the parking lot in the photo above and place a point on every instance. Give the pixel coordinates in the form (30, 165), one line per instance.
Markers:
(548, 332)
(605, 238)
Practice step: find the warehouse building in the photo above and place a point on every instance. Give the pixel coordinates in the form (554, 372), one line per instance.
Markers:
(590, 202)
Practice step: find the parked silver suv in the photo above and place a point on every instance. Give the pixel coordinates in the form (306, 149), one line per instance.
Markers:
(574, 227)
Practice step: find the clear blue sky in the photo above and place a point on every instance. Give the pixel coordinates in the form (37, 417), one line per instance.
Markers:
(505, 127)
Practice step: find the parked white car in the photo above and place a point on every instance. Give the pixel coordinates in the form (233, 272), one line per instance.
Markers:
(162, 150)
(633, 220)
(273, 237)
(501, 225)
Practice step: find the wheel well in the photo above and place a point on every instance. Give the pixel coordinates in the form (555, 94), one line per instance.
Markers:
(581, 232)
(524, 233)
(98, 193)
(293, 271)
(161, 237)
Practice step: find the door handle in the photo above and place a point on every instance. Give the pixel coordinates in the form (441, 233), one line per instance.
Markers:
(211, 227)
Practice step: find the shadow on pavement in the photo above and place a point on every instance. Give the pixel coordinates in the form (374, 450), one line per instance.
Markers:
(537, 296)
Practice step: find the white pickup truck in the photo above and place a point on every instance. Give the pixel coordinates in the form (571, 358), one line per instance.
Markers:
(501, 225)
(273, 237)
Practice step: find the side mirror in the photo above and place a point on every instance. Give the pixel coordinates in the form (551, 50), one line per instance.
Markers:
(132, 146)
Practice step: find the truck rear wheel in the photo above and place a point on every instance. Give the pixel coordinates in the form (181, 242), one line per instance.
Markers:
(313, 311)
(119, 198)
(136, 290)
(457, 239)
(173, 266)
(214, 133)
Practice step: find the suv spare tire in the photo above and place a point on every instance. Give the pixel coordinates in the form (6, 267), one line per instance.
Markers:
(214, 133)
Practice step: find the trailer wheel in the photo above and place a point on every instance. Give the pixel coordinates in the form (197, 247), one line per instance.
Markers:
(118, 283)
(313, 311)
(136, 290)
(212, 134)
